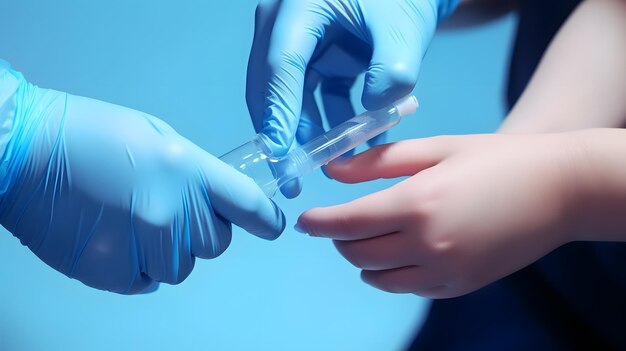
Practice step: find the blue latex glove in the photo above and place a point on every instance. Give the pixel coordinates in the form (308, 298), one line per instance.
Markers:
(302, 44)
(114, 197)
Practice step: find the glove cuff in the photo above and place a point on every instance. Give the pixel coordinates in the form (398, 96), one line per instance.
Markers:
(16, 129)
(9, 83)
(446, 8)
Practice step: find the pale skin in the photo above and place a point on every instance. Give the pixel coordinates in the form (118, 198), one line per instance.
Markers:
(477, 208)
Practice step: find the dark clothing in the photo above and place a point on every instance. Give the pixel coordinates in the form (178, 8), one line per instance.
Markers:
(572, 299)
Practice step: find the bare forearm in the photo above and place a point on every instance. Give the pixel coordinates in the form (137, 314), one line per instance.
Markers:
(580, 82)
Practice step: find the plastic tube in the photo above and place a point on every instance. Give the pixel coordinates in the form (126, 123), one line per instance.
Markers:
(270, 173)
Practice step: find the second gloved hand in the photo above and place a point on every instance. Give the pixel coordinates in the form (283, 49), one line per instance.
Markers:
(302, 44)
(114, 197)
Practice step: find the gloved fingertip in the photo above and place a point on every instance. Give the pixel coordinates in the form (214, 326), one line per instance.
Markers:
(383, 86)
(374, 101)
(292, 188)
(281, 223)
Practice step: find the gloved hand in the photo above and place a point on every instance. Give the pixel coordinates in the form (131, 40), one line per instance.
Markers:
(302, 44)
(114, 197)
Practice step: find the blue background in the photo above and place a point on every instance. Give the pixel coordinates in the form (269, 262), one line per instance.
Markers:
(185, 62)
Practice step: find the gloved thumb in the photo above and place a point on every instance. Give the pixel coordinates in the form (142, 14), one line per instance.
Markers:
(236, 198)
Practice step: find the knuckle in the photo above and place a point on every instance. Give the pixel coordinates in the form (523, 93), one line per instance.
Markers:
(174, 156)
(440, 247)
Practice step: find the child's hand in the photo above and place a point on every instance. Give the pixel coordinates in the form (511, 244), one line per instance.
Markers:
(475, 209)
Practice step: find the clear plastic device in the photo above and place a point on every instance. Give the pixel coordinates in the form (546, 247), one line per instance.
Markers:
(254, 158)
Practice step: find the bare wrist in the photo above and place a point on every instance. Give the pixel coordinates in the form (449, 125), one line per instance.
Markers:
(599, 185)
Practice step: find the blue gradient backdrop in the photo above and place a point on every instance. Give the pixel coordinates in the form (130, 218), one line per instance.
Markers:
(185, 62)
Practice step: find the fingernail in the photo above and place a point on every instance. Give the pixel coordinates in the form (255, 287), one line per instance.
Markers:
(300, 228)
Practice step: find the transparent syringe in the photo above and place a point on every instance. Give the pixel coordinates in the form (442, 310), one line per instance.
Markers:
(254, 158)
